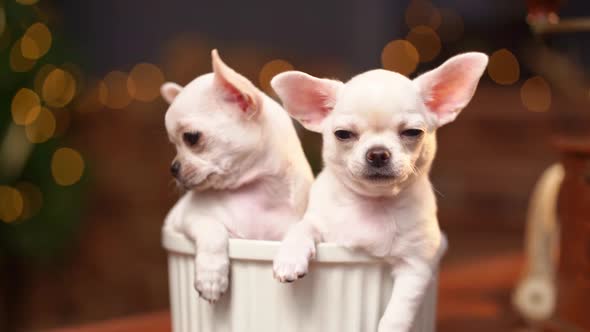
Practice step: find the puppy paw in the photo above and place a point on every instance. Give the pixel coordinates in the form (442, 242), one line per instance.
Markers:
(211, 277)
(292, 260)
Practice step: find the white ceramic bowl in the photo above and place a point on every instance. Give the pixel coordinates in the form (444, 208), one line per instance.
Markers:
(344, 291)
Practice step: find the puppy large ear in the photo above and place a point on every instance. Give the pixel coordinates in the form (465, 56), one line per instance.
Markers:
(447, 89)
(235, 87)
(308, 99)
(169, 91)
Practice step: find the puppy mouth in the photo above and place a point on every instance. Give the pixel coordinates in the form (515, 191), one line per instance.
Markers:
(199, 185)
(379, 175)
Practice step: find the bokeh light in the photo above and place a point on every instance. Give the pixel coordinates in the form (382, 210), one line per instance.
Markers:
(535, 94)
(11, 204)
(144, 82)
(43, 128)
(25, 107)
(59, 88)
(503, 67)
(422, 12)
(451, 28)
(18, 62)
(426, 42)
(36, 41)
(113, 90)
(400, 56)
(32, 199)
(67, 166)
(78, 74)
(270, 70)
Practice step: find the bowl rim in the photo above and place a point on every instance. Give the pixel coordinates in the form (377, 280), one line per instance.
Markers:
(259, 250)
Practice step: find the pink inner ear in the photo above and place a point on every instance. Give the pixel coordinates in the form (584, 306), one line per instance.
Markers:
(446, 96)
(308, 99)
(449, 88)
(236, 88)
(235, 96)
(315, 99)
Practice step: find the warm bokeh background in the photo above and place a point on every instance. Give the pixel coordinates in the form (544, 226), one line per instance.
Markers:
(84, 181)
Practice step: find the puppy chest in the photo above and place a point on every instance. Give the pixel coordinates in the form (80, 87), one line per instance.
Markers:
(253, 218)
(372, 230)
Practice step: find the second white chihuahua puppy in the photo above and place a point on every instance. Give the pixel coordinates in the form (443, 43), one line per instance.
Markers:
(241, 162)
(374, 192)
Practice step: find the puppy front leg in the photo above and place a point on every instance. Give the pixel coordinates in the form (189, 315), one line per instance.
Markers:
(211, 258)
(410, 284)
(297, 248)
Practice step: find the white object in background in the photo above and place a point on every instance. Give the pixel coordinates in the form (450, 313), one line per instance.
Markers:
(535, 295)
(345, 291)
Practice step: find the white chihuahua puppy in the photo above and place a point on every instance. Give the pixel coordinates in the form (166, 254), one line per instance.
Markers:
(241, 162)
(374, 192)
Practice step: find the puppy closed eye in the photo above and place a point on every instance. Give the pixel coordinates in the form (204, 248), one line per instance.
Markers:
(344, 135)
(191, 138)
(412, 133)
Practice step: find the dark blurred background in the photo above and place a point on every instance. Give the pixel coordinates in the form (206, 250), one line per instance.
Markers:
(84, 183)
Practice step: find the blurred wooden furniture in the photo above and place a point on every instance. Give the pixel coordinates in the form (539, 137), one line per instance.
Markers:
(574, 214)
(152, 322)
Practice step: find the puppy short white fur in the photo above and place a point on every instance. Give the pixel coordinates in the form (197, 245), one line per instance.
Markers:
(241, 162)
(374, 192)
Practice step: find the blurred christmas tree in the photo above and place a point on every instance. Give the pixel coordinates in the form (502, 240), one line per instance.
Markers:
(40, 178)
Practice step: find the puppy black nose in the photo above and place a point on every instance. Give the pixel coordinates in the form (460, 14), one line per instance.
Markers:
(378, 157)
(175, 168)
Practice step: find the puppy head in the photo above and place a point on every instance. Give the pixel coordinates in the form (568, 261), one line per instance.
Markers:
(214, 124)
(379, 128)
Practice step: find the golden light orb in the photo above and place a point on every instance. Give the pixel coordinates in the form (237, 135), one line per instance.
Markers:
(535, 94)
(67, 166)
(503, 67)
(11, 204)
(426, 42)
(270, 70)
(400, 56)
(144, 82)
(43, 128)
(36, 41)
(25, 107)
(59, 88)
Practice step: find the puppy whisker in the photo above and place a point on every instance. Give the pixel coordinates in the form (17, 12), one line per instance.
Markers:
(436, 191)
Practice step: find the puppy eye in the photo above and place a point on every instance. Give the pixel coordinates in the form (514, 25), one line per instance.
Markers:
(343, 134)
(412, 133)
(191, 138)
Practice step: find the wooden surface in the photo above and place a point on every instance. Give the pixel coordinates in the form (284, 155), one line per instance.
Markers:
(476, 282)
(574, 209)
(151, 322)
